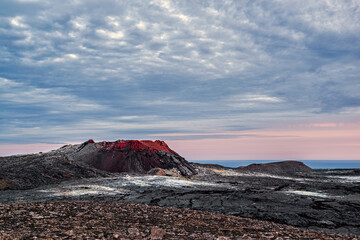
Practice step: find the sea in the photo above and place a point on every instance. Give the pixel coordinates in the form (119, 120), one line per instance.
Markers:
(315, 164)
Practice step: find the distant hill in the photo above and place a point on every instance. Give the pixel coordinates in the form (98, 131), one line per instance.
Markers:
(278, 168)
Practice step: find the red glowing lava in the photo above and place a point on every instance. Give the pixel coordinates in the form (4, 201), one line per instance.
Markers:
(137, 145)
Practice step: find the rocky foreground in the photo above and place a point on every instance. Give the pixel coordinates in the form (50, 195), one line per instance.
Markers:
(115, 220)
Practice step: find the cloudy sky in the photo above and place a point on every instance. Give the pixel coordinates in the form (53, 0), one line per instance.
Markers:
(215, 79)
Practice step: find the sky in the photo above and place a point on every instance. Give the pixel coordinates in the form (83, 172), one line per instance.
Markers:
(215, 79)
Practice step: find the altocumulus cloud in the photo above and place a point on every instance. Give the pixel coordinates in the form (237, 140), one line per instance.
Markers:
(131, 69)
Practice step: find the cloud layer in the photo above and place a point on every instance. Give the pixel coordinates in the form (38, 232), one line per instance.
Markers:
(70, 70)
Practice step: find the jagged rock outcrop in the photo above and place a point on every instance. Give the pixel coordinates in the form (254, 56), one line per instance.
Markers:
(88, 160)
(278, 168)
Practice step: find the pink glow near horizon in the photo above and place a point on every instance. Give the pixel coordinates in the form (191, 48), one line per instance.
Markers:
(15, 149)
(311, 141)
(303, 141)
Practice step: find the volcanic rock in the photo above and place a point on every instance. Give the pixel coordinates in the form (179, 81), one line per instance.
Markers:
(163, 172)
(34, 170)
(278, 168)
(131, 156)
(88, 160)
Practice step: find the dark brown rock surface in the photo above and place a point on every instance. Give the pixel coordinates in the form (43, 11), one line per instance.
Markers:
(114, 220)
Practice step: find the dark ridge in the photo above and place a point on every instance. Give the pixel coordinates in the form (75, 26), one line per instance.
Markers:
(278, 168)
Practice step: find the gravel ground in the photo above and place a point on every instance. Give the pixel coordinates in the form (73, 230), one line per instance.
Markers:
(116, 220)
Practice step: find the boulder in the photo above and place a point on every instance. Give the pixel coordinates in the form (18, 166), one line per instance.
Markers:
(5, 183)
(164, 172)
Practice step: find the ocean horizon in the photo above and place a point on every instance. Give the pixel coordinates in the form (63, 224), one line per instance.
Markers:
(315, 164)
